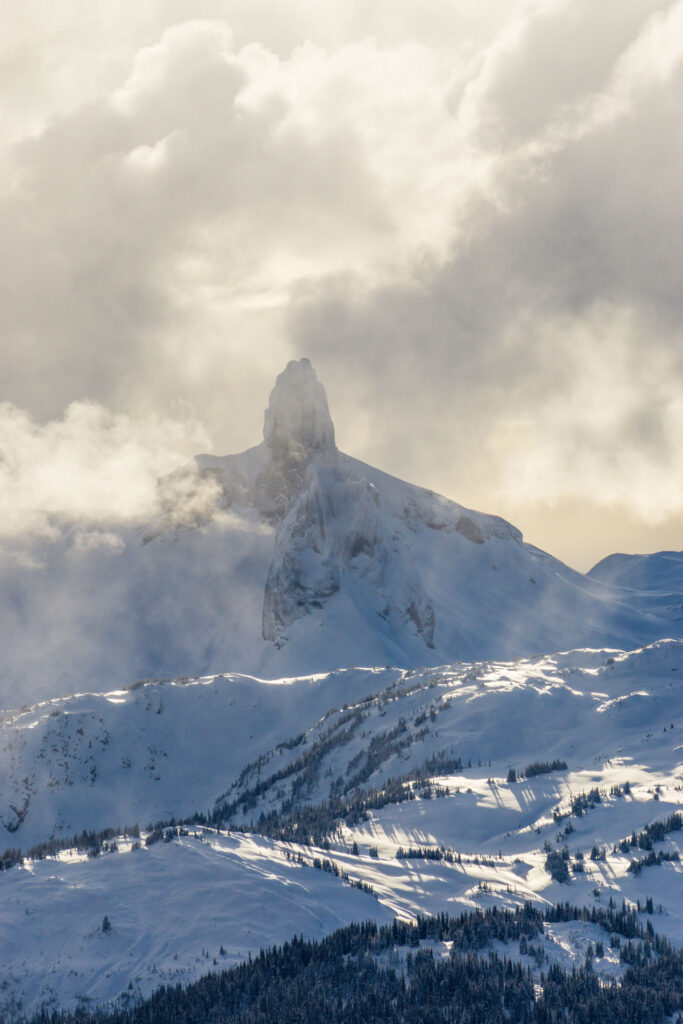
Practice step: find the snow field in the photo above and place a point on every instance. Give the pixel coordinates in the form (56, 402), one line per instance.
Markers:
(614, 717)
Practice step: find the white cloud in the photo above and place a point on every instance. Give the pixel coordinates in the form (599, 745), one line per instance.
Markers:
(612, 436)
(164, 224)
(94, 539)
(90, 467)
(467, 215)
(542, 361)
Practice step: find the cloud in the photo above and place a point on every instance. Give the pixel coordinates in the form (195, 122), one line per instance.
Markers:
(154, 233)
(468, 218)
(611, 435)
(541, 361)
(89, 468)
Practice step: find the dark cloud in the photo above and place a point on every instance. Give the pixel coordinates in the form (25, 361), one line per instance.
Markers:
(469, 220)
(544, 356)
(116, 207)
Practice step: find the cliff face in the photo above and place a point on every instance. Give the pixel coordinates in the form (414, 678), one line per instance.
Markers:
(362, 554)
(335, 524)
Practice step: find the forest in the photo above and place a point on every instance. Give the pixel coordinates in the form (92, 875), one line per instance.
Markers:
(366, 974)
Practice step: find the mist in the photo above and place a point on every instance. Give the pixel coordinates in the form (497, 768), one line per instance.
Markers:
(469, 220)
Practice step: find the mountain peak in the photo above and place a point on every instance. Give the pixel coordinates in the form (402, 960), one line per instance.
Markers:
(297, 419)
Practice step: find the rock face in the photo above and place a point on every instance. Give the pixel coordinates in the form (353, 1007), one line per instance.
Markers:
(297, 424)
(333, 523)
(412, 564)
(335, 530)
(297, 431)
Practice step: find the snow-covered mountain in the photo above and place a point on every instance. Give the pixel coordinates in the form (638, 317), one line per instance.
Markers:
(593, 736)
(132, 756)
(482, 770)
(292, 558)
(654, 582)
(412, 576)
(660, 573)
(152, 751)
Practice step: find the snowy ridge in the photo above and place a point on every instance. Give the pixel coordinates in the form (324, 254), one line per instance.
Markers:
(93, 760)
(476, 837)
(584, 707)
(657, 573)
(131, 756)
(652, 582)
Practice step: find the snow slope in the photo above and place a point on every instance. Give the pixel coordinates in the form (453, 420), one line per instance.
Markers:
(585, 707)
(164, 749)
(658, 573)
(653, 583)
(614, 717)
(151, 751)
(172, 908)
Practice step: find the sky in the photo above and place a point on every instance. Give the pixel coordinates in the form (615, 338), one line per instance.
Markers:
(468, 216)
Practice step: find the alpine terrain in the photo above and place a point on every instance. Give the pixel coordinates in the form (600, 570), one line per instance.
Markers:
(292, 558)
(318, 744)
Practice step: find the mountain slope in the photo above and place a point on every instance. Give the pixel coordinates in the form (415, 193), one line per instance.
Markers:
(658, 573)
(159, 750)
(457, 834)
(653, 583)
(152, 751)
(293, 558)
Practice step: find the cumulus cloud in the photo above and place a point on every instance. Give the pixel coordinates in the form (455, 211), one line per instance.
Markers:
(163, 223)
(549, 341)
(468, 218)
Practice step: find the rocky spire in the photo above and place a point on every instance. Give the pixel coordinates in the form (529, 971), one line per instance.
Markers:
(297, 423)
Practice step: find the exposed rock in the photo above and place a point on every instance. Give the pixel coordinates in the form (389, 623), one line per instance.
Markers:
(297, 422)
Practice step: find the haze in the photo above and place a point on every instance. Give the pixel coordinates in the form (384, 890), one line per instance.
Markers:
(467, 216)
